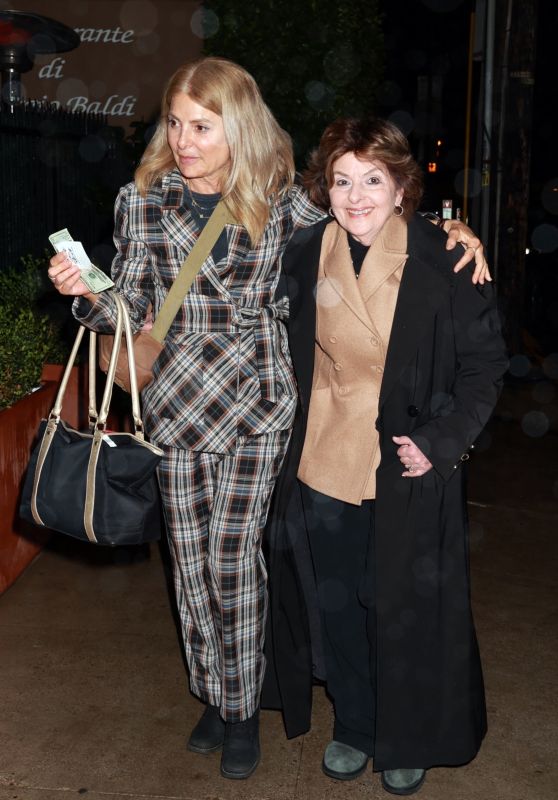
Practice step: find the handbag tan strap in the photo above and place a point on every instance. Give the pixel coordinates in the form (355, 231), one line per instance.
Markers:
(190, 268)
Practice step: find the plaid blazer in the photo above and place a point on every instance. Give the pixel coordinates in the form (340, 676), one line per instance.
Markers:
(225, 370)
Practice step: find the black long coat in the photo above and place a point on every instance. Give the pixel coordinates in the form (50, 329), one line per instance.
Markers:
(443, 372)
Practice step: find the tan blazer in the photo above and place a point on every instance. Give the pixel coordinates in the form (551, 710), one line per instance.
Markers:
(353, 325)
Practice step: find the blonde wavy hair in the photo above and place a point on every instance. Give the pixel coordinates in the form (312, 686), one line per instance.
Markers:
(262, 162)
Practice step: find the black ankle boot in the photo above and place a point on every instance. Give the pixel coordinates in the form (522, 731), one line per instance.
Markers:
(241, 748)
(208, 735)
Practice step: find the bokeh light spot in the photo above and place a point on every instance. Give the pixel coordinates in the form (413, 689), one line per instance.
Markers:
(404, 121)
(319, 94)
(520, 366)
(550, 366)
(535, 424)
(545, 238)
(204, 23)
(474, 182)
(92, 148)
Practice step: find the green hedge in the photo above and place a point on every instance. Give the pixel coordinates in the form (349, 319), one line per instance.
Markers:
(314, 60)
(28, 337)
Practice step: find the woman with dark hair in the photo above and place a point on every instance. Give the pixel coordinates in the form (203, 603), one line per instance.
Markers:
(398, 361)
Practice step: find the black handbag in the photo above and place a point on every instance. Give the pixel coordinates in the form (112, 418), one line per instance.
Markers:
(98, 486)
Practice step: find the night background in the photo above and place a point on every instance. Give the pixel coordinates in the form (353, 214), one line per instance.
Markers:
(431, 38)
(410, 61)
(95, 696)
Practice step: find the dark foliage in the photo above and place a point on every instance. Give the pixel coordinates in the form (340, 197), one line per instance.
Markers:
(314, 60)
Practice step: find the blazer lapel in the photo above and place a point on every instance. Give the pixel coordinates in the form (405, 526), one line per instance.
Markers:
(339, 272)
(386, 255)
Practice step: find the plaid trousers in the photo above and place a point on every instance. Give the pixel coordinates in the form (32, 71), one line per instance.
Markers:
(216, 507)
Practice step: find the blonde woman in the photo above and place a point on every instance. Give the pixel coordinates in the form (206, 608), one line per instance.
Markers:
(223, 398)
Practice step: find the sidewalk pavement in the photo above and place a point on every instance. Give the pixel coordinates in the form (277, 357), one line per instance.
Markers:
(94, 693)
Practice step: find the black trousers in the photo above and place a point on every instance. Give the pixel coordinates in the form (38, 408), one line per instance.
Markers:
(340, 535)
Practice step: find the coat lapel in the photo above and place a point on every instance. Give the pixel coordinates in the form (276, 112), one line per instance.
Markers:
(178, 226)
(300, 266)
(420, 286)
(238, 246)
(176, 220)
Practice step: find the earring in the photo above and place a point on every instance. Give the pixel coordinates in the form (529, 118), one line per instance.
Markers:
(330, 212)
(398, 210)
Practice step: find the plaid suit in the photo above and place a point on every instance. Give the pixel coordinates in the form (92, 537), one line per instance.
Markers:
(221, 406)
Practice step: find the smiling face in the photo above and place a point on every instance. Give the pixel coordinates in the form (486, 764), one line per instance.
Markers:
(197, 139)
(363, 196)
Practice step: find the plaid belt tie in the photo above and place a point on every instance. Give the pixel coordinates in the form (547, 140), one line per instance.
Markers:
(267, 342)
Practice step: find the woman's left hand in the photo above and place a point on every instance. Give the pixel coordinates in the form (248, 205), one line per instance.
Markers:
(459, 233)
(415, 462)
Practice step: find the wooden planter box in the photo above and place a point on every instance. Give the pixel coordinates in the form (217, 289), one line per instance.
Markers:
(75, 399)
(20, 541)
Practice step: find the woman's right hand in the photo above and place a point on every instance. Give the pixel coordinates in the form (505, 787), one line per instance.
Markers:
(66, 278)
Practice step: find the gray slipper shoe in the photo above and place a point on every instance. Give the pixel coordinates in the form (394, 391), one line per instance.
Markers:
(403, 781)
(343, 762)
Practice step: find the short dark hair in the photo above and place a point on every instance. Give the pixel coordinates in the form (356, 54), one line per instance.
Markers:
(370, 139)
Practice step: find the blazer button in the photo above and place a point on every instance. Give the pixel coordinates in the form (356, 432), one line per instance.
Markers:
(333, 339)
(375, 341)
(343, 390)
(338, 366)
(413, 411)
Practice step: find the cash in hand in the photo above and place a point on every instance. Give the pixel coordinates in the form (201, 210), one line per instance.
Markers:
(93, 277)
